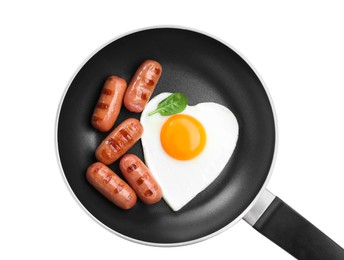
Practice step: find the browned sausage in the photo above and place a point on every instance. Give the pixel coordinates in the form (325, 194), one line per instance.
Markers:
(119, 141)
(140, 179)
(142, 86)
(109, 103)
(110, 185)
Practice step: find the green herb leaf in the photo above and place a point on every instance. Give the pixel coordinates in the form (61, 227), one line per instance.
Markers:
(173, 104)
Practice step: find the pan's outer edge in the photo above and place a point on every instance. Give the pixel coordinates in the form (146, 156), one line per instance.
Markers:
(186, 242)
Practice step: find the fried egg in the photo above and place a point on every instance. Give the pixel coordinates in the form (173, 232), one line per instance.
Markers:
(185, 152)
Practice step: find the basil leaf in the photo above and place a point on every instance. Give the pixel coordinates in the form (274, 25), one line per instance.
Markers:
(173, 104)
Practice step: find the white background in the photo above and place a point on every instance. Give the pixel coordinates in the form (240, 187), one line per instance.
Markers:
(297, 48)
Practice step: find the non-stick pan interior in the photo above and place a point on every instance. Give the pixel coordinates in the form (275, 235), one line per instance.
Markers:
(206, 70)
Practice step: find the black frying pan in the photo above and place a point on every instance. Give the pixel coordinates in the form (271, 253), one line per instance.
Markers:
(204, 69)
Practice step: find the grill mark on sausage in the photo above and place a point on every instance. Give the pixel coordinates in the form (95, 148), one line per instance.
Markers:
(148, 193)
(95, 118)
(132, 167)
(107, 92)
(101, 105)
(105, 154)
(119, 188)
(96, 169)
(129, 197)
(107, 179)
(155, 70)
(111, 78)
(126, 135)
(115, 145)
(141, 95)
(141, 180)
(132, 127)
(142, 92)
(148, 82)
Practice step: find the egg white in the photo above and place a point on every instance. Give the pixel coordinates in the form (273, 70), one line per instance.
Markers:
(180, 180)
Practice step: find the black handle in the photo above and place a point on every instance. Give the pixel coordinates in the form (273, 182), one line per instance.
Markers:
(292, 232)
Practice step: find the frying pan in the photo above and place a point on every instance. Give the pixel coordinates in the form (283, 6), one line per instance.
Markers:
(205, 69)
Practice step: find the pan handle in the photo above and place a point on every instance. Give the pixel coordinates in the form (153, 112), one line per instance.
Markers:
(277, 221)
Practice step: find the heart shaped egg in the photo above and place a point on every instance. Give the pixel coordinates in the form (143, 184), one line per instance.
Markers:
(185, 152)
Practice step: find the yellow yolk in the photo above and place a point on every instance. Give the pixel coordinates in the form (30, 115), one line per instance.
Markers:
(182, 137)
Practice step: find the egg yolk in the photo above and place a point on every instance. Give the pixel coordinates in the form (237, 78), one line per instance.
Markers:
(182, 137)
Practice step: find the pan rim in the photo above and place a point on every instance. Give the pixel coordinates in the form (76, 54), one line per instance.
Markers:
(230, 224)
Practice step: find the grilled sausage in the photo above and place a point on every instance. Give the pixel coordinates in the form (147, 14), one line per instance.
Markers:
(109, 103)
(140, 179)
(110, 185)
(142, 86)
(119, 141)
